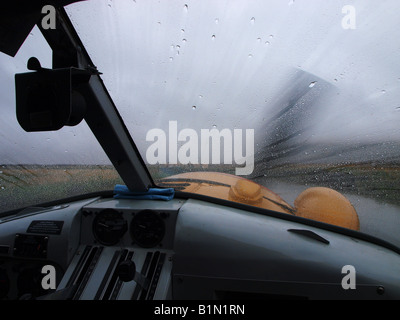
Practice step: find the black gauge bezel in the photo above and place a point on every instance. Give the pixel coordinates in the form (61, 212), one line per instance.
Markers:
(151, 233)
(114, 236)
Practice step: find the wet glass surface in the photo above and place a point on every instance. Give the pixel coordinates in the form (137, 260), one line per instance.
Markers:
(316, 83)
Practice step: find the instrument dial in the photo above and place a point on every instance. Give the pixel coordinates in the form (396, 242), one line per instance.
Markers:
(147, 228)
(109, 226)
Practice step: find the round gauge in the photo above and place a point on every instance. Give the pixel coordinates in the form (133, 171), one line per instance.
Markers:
(109, 226)
(147, 228)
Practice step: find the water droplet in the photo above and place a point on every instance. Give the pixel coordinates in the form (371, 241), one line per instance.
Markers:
(194, 107)
(383, 91)
(259, 40)
(291, 2)
(213, 37)
(171, 58)
(336, 80)
(184, 40)
(250, 56)
(200, 96)
(271, 36)
(267, 43)
(214, 126)
(252, 20)
(216, 21)
(183, 30)
(312, 84)
(186, 7)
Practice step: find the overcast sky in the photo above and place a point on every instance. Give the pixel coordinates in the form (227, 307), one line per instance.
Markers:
(239, 63)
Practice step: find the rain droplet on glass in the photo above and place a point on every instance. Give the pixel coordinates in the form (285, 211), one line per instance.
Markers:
(312, 84)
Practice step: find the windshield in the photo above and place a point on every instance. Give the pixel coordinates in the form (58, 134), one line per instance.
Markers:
(286, 105)
(288, 94)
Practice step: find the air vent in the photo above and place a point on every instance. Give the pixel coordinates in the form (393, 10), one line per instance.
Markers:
(309, 234)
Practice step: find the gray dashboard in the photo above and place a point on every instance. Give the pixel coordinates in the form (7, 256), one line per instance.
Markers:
(119, 249)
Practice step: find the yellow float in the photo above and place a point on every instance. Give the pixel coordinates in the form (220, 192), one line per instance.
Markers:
(320, 204)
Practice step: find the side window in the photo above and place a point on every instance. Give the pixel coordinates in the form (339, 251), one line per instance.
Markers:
(39, 167)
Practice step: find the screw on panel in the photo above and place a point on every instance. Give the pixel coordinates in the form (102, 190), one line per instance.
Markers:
(380, 290)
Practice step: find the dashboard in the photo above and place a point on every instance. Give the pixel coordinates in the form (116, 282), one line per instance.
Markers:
(91, 244)
(121, 249)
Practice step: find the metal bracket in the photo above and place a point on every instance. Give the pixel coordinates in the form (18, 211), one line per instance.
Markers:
(102, 115)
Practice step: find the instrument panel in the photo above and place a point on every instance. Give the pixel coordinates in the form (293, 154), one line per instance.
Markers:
(125, 252)
(146, 229)
(102, 249)
(141, 225)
